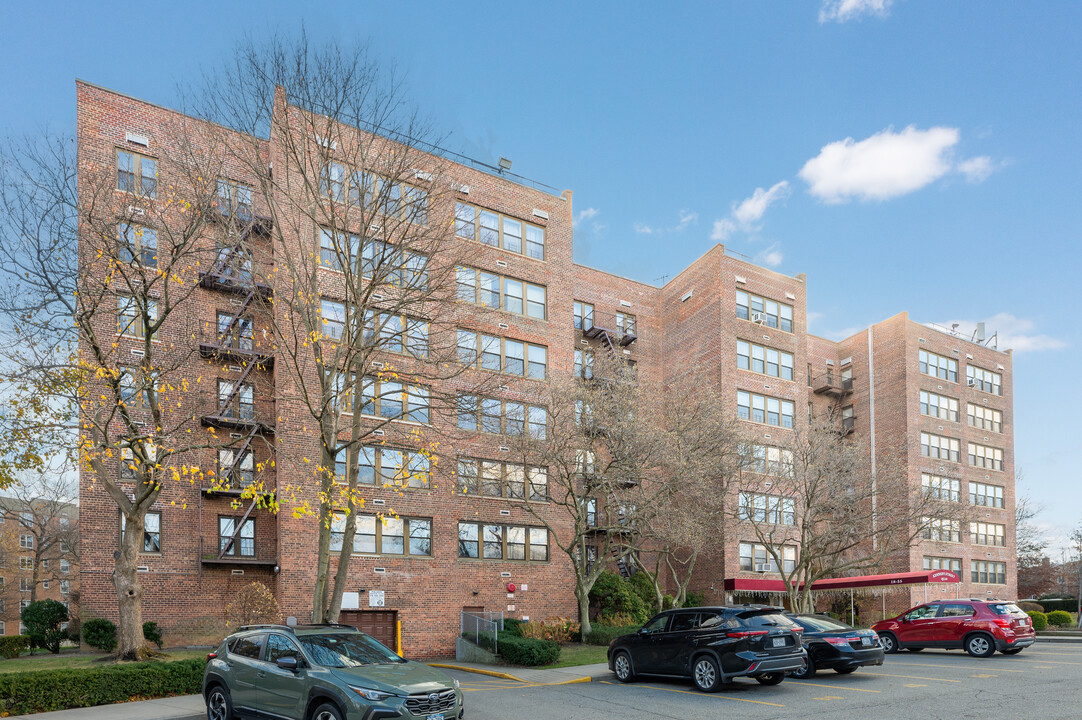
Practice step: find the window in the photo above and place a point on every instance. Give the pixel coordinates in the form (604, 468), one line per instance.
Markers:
(235, 334)
(985, 457)
(234, 199)
(244, 544)
(490, 290)
(984, 418)
(249, 646)
(152, 532)
(756, 557)
(242, 405)
(989, 573)
(386, 535)
(334, 247)
(492, 415)
(984, 380)
(767, 508)
(767, 361)
(387, 264)
(942, 530)
(762, 409)
(128, 462)
(625, 324)
(938, 366)
(26, 542)
(584, 315)
(982, 533)
(136, 173)
(498, 230)
(986, 495)
(507, 542)
(503, 354)
(26, 585)
(135, 390)
(65, 566)
(45, 583)
(396, 333)
(334, 318)
(278, 647)
(131, 321)
(767, 312)
(938, 406)
(584, 364)
(943, 563)
(939, 487)
(768, 459)
(937, 446)
(394, 400)
(492, 478)
(138, 244)
(332, 181)
(236, 474)
(393, 467)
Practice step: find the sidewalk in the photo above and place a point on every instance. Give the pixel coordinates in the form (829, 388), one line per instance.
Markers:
(555, 676)
(181, 706)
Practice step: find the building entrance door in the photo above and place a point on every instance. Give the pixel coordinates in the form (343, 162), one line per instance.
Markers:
(380, 624)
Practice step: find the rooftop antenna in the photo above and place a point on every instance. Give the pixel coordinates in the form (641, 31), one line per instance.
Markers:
(505, 165)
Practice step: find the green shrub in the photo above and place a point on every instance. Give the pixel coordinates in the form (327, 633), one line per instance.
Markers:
(695, 599)
(604, 634)
(512, 626)
(1027, 606)
(641, 584)
(153, 633)
(12, 646)
(614, 597)
(1040, 620)
(100, 633)
(524, 651)
(47, 690)
(1069, 604)
(1059, 618)
(43, 619)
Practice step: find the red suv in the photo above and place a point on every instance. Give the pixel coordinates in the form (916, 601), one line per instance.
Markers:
(979, 626)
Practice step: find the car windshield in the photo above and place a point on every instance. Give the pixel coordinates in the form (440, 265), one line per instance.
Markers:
(1005, 609)
(821, 624)
(347, 650)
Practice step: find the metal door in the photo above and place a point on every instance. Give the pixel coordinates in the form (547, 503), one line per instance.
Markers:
(380, 624)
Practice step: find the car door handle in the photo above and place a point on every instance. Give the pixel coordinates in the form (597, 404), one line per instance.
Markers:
(262, 674)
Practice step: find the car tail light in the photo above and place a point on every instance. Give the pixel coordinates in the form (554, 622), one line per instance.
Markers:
(1003, 622)
(797, 629)
(747, 633)
(839, 641)
(211, 656)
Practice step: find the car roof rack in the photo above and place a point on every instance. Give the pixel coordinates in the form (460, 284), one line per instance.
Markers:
(264, 626)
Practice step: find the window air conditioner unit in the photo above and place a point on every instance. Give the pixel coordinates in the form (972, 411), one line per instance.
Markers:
(758, 317)
(971, 382)
(764, 567)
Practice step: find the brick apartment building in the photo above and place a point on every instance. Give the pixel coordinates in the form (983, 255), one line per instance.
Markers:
(946, 398)
(36, 550)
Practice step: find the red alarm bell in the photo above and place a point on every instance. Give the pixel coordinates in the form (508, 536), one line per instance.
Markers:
(510, 587)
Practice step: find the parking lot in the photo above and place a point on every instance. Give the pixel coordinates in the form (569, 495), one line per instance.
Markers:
(1044, 681)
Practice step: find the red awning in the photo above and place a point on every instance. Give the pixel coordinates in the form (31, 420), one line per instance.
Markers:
(887, 580)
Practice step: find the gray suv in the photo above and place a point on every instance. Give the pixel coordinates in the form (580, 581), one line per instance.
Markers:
(322, 672)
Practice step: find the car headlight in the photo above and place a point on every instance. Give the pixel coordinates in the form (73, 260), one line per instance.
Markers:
(368, 694)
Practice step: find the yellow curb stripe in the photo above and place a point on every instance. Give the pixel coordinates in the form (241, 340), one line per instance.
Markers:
(892, 663)
(478, 671)
(914, 677)
(790, 681)
(700, 694)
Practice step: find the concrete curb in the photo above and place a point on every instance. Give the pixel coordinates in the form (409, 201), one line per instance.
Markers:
(478, 671)
(1047, 639)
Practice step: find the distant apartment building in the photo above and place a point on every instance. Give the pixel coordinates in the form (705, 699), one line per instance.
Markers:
(948, 400)
(37, 558)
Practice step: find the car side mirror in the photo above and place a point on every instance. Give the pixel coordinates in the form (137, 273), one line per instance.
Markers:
(288, 663)
(905, 618)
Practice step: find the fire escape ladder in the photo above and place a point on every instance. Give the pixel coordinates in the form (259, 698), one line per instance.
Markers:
(621, 562)
(236, 529)
(607, 339)
(223, 336)
(238, 455)
(224, 406)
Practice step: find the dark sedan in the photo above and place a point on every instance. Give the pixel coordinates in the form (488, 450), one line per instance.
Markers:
(711, 645)
(833, 645)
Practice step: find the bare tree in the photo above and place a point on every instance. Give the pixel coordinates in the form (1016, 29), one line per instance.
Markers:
(1034, 569)
(600, 453)
(815, 509)
(362, 235)
(42, 508)
(700, 456)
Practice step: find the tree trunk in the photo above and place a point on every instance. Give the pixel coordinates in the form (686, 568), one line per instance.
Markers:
(341, 576)
(583, 597)
(323, 562)
(130, 644)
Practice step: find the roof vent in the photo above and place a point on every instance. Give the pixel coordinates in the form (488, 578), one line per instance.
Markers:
(541, 214)
(137, 139)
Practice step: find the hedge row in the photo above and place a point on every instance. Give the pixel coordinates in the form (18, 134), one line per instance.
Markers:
(11, 646)
(605, 634)
(527, 651)
(1068, 604)
(47, 690)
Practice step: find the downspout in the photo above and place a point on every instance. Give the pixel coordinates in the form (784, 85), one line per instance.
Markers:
(871, 426)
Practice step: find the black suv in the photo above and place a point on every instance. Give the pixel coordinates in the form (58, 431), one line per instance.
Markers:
(711, 645)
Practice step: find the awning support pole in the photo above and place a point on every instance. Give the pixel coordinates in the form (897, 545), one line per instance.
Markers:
(852, 612)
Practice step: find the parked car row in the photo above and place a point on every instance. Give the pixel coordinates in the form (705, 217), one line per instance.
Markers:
(715, 645)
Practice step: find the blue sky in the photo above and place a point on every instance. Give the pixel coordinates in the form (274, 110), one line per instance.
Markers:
(905, 155)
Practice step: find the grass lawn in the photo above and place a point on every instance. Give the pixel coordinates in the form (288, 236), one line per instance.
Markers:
(574, 654)
(72, 658)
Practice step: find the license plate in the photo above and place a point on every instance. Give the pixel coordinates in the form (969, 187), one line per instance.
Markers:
(865, 641)
(1022, 623)
(777, 642)
(435, 716)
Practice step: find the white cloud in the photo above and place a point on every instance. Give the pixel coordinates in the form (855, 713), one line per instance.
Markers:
(1013, 333)
(771, 257)
(885, 165)
(685, 219)
(583, 215)
(746, 213)
(844, 10)
(977, 169)
(643, 229)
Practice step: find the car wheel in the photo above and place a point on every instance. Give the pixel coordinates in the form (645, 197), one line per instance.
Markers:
(706, 674)
(621, 665)
(845, 671)
(889, 643)
(219, 705)
(1012, 651)
(914, 649)
(980, 645)
(770, 678)
(327, 711)
(807, 672)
